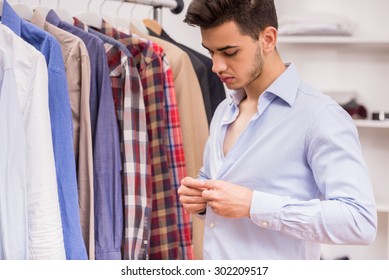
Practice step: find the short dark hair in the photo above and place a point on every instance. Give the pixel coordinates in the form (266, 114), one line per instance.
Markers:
(251, 16)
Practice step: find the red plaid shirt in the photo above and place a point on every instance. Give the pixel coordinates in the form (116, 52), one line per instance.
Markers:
(164, 237)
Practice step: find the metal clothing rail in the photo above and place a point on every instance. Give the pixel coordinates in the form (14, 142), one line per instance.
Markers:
(175, 6)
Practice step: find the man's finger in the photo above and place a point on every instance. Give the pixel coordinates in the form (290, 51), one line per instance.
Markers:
(193, 183)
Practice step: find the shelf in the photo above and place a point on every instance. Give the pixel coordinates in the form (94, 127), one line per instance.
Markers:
(371, 124)
(333, 40)
(382, 208)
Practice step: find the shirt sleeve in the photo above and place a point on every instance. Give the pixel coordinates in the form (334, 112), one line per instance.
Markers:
(345, 213)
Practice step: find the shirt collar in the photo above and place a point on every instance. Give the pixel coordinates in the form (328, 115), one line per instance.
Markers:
(38, 19)
(285, 87)
(11, 19)
(53, 18)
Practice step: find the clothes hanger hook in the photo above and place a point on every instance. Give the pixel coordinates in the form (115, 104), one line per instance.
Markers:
(101, 7)
(88, 7)
(133, 9)
(118, 9)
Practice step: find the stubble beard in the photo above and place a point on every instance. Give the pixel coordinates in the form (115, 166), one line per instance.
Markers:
(256, 67)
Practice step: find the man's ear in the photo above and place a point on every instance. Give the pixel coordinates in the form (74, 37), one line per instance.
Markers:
(268, 37)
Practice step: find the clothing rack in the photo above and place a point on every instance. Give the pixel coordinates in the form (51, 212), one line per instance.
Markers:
(175, 6)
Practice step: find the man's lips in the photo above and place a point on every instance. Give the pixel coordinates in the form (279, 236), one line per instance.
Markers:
(226, 79)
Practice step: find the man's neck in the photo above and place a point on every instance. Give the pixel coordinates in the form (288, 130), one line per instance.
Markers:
(271, 71)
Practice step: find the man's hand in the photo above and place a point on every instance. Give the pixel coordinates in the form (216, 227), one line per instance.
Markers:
(227, 199)
(190, 193)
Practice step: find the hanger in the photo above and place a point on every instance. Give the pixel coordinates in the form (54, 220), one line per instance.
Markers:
(43, 10)
(120, 23)
(90, 18)
(23, 10)
(63, 14)
(153, 25)
(137, 24)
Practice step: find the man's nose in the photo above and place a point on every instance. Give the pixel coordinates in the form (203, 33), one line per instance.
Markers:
(219, 64)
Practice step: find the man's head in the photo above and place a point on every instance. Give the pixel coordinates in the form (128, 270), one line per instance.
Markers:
(251, 16)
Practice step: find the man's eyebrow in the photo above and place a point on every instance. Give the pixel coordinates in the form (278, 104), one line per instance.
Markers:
(223, 48)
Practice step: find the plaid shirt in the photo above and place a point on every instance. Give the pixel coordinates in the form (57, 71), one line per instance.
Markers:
(164, 237)
(176, 156)
(136, 176)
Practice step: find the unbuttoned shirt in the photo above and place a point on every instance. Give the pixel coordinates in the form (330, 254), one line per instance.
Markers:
(301, 156)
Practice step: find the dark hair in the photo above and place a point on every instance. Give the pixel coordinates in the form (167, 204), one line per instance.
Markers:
(251, 16)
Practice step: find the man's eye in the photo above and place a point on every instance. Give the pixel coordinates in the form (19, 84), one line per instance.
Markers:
(231, 54)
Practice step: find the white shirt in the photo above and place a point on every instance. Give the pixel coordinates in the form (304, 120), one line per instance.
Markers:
(301, 155)
(13, 202)
(44, 221)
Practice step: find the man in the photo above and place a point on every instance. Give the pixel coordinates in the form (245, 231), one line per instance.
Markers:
(283, 169)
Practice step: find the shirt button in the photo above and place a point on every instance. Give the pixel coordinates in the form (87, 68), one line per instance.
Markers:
(211, 225)
(264, 223)
(145, 242)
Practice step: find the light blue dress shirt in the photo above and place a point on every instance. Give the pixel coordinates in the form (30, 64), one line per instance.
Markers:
(13, 186)
(61, 128)
(301, 155)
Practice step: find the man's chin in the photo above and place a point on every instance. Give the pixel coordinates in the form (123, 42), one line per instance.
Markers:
(231, 86)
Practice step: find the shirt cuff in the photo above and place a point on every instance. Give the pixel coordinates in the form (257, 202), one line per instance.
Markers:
(265, 210)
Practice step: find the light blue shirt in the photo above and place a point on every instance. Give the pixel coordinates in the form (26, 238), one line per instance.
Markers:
(301, 155)
(61, 128)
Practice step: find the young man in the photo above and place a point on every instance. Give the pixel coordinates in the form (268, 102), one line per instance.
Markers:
(283, 169)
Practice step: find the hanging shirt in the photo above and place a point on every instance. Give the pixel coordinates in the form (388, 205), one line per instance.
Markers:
(108, 198)
(85, 184)
(164, 230)
(129, 105)
(190, 102)
(13, 182)
(77, 68)
(173, 140)
(105, 137)
(131, 113)
(44, 220)
(176, 155)
(301, 155)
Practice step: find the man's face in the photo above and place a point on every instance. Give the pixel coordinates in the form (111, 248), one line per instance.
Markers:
(237, 59)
